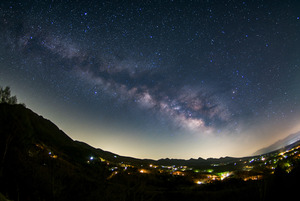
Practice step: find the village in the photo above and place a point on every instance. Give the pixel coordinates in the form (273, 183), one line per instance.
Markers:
(250, 168)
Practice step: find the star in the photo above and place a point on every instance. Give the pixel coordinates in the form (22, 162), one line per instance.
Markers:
(161, 76)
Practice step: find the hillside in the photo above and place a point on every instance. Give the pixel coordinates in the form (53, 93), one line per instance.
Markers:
(39, 129)
(40, 162)
(39, 158)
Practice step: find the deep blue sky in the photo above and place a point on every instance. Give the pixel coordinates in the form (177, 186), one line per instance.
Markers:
(155, 79)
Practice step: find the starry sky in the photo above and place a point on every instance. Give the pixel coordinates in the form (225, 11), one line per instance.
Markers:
(157, 79)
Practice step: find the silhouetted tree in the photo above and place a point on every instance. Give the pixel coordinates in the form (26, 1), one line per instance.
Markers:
(5, 96)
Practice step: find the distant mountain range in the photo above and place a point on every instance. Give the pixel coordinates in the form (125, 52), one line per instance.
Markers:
(38, 161)
(279, 144)
(48, 133)
(43, 131)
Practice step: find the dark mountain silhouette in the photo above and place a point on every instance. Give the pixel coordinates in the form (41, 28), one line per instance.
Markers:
(39, 158)
(38, 161)
(200, 162)
(20, 123)
(279, 144)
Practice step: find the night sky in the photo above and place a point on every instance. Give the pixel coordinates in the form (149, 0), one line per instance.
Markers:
(157, 79)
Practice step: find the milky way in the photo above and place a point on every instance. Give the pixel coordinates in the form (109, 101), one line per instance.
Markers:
(158, 79)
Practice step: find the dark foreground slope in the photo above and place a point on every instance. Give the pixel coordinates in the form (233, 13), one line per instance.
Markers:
(40, 162)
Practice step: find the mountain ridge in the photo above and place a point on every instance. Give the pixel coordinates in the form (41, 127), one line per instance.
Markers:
(38, 161)
(63, 138)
